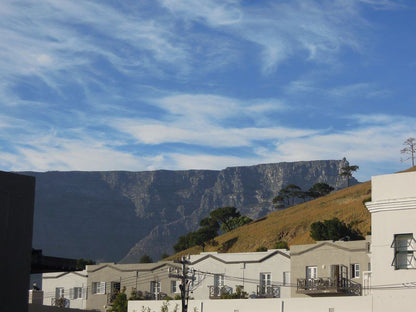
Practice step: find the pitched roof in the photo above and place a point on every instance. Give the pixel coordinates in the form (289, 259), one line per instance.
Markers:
(239, 257)
(130, 267)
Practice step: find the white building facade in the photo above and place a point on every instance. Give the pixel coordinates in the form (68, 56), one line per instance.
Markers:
(258, 274)
(68, 289)
(393, 226)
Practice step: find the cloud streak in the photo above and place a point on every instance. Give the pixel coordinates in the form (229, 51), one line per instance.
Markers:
(177, 84)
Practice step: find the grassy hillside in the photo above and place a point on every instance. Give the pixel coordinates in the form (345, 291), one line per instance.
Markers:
(293, 224)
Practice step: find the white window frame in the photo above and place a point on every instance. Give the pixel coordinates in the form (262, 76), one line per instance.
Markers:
(286, 278)
(75, 293)
(311, 272)
(98, 288)
(59, 292)
(404, 248)
(174, 287)
(219, 280)
(265, 279)
(84, 293)
(155, 288)
(355, 270)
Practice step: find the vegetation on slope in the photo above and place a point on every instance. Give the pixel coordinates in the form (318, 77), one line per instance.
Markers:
(292, 225)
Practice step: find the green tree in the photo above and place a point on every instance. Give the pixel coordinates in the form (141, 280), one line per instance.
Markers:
(281, 245)
(410, 149)
(164, 255)
(209, 223)
(120, 302)
(145, 259)
(226, 219)
(203, 235)
(81, 263)
(261, 248)
(236, 222)
(320, 189)
(334, 229)
(224, 216)
(347, 172)
(287, 195)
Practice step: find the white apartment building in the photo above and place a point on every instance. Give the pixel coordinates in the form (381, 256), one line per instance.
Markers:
(65, 288)
(393, 226)
(259, 274)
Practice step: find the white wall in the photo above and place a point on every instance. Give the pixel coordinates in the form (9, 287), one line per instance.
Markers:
(393, 211)
(50, 281)
(393, 186)
(339, 304)
(240, 269)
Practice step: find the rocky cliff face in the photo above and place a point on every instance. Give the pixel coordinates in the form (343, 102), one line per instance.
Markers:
(118, 215)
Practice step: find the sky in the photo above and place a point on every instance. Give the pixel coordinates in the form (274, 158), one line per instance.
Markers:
(189, 84)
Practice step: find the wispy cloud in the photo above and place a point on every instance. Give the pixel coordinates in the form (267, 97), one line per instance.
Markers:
(317, 30)
(143, 85)
(208, 120)
(345, 91)
(379, 137)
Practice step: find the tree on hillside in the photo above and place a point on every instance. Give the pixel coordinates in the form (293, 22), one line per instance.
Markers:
(184, 242)
(347, 172)
(81, 263)
(237, 222)
(319, 190)
(209, 223)
(334, 229)
(410, 149)
(145, 259)
(203, 235)
(224, 216)
(226, 219)
(281, 245)
(287, 195)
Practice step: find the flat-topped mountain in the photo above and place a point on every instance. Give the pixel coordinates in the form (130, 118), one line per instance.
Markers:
(120, 215)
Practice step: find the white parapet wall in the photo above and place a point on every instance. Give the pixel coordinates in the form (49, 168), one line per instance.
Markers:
(333, 304)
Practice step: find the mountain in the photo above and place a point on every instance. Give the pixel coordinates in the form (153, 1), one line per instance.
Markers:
(120, 215)
(292, 224)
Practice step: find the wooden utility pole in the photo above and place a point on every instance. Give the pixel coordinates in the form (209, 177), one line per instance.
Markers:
(186, 280)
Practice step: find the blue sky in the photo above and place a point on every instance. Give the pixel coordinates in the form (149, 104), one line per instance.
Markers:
(189, 84)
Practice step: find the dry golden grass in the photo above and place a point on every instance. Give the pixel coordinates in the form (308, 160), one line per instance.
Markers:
(293, 224)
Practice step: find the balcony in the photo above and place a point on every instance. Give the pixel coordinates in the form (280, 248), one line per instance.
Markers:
(60, 302)
(218, 292)
(328, 287)
(271, 291)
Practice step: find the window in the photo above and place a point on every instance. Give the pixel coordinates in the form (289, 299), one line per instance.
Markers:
(403, 245)
(174, 287)
(355, 270)
(155, 287)
(115, 287)
(98, 288)
(59, 292)
(218, 280)
(286, 278)
(311, 272)
(75, 293)
(265, 279)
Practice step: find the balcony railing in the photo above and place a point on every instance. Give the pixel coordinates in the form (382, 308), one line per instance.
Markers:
(270, 291)
(215, 292)
(328, 286)
(60, 302)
